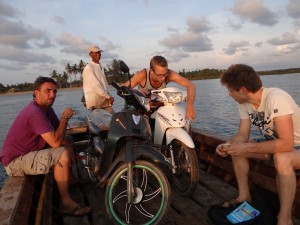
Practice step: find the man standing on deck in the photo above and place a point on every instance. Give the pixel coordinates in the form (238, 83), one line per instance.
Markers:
(95, 85)
(277, 116)
(96, 91)
(37, 142)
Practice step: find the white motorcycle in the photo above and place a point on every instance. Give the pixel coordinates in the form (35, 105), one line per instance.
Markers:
(171, 132)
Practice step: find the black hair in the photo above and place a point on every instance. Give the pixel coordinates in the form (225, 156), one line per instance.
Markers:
(241, 75)
(39, 81)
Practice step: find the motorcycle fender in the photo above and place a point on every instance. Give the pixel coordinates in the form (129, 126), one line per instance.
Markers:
(150, 152)
(179, 134)
(141, 150)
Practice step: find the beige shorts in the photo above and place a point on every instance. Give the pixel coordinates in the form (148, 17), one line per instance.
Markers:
(34, 163)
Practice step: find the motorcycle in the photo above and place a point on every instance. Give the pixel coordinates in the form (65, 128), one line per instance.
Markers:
(171, 131)
(123, 159)
(171, 135)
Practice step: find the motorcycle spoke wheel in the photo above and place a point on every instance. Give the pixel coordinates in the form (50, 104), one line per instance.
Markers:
(186, 176)
(151, 195)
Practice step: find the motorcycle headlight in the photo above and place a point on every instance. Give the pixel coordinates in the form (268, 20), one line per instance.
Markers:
(174, 97)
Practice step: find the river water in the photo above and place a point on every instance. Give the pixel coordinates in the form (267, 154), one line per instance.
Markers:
(216, 111)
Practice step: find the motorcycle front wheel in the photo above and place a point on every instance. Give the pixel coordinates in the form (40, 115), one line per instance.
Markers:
(186, 174)
(151, 197)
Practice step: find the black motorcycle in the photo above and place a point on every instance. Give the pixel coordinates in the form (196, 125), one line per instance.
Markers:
(123, 159)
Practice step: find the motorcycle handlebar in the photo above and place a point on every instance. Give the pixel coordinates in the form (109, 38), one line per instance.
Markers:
(115, 85)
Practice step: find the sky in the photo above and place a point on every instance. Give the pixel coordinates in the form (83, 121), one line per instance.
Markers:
(39, 36)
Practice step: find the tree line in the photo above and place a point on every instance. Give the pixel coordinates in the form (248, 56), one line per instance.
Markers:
(72, 75)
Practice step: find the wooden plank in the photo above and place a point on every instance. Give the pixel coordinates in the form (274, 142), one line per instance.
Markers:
(41, 203)
(217, 186)
(49, 204)
(77, 128)
(78, 195)
(10, 198)
(19, 196)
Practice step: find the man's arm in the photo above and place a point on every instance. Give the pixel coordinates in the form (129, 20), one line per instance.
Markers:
(136, 79)
(284, 143)
(191, 92)
(243, 134)
(55, 138)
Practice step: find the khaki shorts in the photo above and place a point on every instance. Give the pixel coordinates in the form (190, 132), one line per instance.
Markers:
(34, 163)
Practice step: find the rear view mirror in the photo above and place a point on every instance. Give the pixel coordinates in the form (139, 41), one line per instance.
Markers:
(123, 67)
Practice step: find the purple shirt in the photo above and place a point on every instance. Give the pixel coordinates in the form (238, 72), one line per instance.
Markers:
(25, 133)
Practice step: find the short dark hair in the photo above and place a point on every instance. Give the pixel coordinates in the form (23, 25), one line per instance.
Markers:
(241, 75)
(158, 61)
(39, 81)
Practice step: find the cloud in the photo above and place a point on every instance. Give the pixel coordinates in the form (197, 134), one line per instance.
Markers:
(19, 35)
(7, 10)
(59, 20)
(193, 40)
(74, 44)
(171, 29)
(287, 44)
(188, 41)
(234, 25)
(18, 55)
(255, 11)
(108, 44)
(235, 47)
(297, 26)
(293, 8)
(287, 38)
(285, 49)
(198, 25)
(173, 56)
(258, 44)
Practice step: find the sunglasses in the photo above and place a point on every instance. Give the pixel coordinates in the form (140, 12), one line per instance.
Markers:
(161, 75)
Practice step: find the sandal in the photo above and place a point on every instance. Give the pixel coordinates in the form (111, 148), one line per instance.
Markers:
(232, 203)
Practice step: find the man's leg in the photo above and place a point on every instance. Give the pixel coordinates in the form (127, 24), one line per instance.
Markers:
(241, 170)
(39, 162)
(286, 182)
(62, 174)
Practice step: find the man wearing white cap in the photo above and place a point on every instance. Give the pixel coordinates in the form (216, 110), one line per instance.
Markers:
(95, 85)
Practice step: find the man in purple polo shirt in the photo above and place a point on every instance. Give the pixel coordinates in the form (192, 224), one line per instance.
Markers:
(37, 142)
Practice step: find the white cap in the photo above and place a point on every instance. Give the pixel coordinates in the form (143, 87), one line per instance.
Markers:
(94, 48)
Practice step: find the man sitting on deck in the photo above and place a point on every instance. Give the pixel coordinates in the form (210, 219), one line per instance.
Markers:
(277, 116)
(36, 142)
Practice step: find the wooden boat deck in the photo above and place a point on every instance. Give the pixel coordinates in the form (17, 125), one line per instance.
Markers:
(35, 200)
(209, 191)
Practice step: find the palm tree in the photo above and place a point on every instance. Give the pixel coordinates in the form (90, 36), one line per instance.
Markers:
(75, 71)
(64, 79)
(69, 71)
(80, 68)
(56, 77)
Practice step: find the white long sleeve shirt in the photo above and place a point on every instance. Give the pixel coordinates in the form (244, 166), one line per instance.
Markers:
(95, 86)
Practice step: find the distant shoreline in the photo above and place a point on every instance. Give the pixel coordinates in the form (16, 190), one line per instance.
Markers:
(28, 92)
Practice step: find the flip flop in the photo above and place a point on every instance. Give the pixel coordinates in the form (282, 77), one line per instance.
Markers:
(78, 208)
